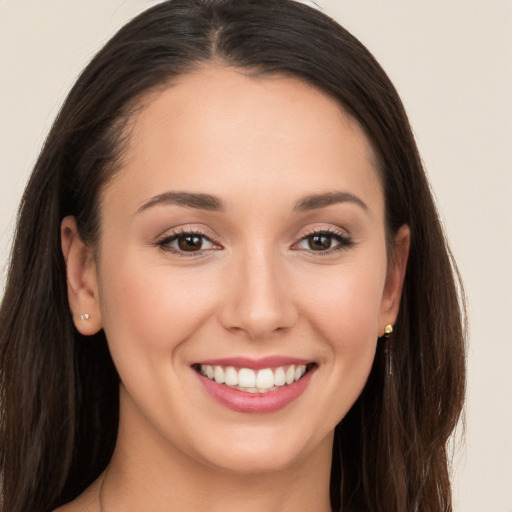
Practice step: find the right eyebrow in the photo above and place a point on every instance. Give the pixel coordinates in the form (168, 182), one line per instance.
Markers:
(186, 199)
(317, 201)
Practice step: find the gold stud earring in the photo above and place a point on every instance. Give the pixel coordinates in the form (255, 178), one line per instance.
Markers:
(85, 316)
(388, 330)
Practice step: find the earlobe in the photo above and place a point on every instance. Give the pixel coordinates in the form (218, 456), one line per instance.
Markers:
(82, 282)
(395, 279)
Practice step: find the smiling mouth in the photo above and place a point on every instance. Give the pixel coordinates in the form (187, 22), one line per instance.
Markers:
(264, 380)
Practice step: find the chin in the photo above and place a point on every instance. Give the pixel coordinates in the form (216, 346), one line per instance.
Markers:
(251, 454)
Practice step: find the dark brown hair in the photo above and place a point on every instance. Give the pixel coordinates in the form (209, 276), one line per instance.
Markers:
(59, 392)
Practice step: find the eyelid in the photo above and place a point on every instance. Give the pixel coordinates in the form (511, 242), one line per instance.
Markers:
(164, 240)
(345, 240)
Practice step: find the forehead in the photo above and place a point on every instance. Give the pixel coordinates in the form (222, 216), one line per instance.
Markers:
(220, 130)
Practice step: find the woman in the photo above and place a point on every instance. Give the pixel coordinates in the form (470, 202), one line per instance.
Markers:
(229, 285)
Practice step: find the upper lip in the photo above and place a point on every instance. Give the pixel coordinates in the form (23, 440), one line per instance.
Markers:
(256, 364)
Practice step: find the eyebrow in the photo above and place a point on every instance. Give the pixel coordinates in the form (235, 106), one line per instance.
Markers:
(316, 201)
(187, 199)
(215, 204)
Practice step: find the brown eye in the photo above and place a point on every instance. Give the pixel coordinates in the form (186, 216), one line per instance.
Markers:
(182, 243)
(190, 242)
(319, 242)
(324, 242)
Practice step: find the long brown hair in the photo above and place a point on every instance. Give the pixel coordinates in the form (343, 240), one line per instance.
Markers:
(59, 391)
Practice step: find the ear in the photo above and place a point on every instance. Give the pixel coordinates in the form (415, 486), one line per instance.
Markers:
(82, 279)
(395, 279)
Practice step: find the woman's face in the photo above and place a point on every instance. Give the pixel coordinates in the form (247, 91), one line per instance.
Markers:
(243, 239)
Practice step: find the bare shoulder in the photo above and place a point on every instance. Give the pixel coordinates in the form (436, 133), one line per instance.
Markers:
(86, 502)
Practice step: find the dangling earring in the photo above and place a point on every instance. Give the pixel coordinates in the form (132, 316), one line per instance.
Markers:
(388, 330)
(85, 316)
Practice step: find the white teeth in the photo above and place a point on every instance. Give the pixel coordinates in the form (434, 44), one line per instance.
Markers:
(231, 376)
(265, 379)
(290, 374)
(300, 371)
(246, 379)
(280, 377)
(219, 375)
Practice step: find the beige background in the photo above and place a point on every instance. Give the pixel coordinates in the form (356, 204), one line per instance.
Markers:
(452, 64)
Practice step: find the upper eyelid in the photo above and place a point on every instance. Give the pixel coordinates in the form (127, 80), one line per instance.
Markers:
(184, 230)
(345, 239)
(325, 230)
(173, 236)
(331, 230)
(164, 243)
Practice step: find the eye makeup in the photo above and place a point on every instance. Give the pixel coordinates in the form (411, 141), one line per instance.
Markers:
(191, 242)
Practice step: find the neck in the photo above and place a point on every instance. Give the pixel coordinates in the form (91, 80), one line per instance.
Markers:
(147, 474)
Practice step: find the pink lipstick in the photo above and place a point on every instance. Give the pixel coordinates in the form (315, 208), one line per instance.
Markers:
(255, 385)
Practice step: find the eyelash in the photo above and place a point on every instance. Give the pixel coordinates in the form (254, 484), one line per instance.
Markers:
(344, 242)
(165, 242)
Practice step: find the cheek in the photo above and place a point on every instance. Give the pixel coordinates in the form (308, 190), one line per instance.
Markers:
(344, 312)
(345, 302)
(349, 324)
(151, 308)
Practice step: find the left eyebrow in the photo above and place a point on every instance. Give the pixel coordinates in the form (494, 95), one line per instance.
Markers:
(316, 201)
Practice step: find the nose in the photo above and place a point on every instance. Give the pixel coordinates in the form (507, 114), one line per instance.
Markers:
(258, 300)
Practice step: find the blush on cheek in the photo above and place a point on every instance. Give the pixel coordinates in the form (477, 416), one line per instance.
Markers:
(154, 307)
(348, 315)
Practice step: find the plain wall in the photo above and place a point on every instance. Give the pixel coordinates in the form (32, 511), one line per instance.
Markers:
(452, 64)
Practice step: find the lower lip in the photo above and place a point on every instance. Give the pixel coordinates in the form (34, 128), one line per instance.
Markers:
(256, 403)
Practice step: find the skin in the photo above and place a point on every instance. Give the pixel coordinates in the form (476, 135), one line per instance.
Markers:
(259, 289)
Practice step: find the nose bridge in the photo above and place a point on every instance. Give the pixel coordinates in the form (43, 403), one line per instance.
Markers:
(259, 302)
